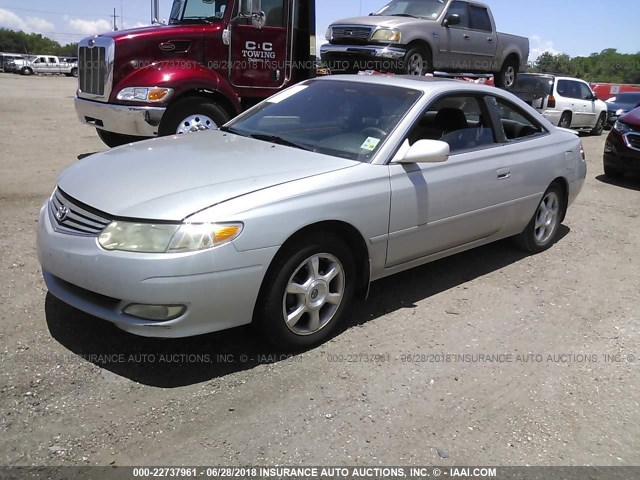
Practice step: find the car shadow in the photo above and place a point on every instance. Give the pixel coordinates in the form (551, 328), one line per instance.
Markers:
(170, 363)
(630, 181)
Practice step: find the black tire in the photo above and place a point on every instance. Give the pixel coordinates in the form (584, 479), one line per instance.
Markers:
(535, 239)
(274, 302)
(180, 111)
(612, 172)
(508, 74)
(417, 61)
(112, 140)
(26, 71)
(565, 120)
(74, 72)
(599, 128)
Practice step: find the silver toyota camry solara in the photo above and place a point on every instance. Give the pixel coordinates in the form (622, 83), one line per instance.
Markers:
(287, 212)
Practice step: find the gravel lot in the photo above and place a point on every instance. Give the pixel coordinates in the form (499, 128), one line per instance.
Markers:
(76, 391)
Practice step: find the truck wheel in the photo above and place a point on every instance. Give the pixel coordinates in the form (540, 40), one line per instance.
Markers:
(417, 61)
(506, 77)
(112, 140)
(193, 114)
(74, 72)
(27, 71)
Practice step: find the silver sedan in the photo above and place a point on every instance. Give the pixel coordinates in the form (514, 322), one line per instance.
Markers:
(287, 212)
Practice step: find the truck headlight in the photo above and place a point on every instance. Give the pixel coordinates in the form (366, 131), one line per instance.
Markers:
(167, 238)
(386, 35)
(144, 94)
(329, 34)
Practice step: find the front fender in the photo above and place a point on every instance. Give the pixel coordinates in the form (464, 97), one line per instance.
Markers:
(183, 76)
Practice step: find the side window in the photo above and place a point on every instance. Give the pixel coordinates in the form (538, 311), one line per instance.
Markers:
(516, 124)
(274, 13)
(480, 18)
(52, 60)
(585, 92)
(460, 8)
(457, 120)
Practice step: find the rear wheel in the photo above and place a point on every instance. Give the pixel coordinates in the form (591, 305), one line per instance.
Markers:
(565, 120)
(542, 230)
(26, 71)
(306, 292)
(506, 77)
(599, 127)
(192, 114)
(112, 140)
(74, 72)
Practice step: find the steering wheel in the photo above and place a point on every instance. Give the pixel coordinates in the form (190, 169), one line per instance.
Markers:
(374, 132)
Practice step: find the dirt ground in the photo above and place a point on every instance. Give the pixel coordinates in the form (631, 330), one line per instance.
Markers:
(551, 375)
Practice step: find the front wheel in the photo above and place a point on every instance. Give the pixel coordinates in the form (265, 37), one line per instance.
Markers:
(542, 230)
(306, 292)
(112, 140)
(192, 114)
(416, 62)
(599, 127)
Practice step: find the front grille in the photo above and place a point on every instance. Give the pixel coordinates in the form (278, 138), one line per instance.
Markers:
(92, 66)
(350, 35)
(633, 140)
(72, 218)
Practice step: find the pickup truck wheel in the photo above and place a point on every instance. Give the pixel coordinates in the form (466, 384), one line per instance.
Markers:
(193, 114)
(506, 77)
(597, 130)
(74, 72)
(306, 292)
(565, 120)
(112, 140)
(27, 71)
(417, 62)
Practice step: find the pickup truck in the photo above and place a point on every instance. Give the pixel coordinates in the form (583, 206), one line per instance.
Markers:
(422, 36)
(48, 64)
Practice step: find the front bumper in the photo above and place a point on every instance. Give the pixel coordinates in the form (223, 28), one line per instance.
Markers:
(619, 155)
(219, 287)
(362, 57)
(127, 120)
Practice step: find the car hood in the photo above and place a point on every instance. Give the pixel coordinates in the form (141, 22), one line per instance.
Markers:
(631, 118)
(174, 177)
(381, 21)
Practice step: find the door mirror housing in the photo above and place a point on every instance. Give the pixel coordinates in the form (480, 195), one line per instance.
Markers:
(426, 151)
(594, 97)
(453, 19)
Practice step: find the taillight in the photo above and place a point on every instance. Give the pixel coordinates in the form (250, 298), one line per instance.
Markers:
(552, 102)
(582, 154)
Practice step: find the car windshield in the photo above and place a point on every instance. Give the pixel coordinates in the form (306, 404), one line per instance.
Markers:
(197, 11)
(340, 118)
(534, 84)
(430, 9)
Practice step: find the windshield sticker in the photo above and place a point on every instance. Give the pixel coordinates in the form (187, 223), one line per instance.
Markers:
(370, 144)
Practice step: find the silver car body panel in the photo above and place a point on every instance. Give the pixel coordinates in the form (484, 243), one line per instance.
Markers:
(406, 215)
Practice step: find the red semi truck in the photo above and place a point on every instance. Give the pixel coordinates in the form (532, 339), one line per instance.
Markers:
(213, 59)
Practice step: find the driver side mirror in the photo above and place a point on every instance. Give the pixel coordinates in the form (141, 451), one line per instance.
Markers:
(426, 151)
(253, 9)
(594, 97)
(453, 19)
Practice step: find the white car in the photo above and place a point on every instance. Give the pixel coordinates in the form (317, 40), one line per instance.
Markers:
(566, 102)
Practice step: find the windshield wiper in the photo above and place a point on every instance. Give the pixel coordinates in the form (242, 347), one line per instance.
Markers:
(199, 19)
(280, 141)
(403, 15)
(231, 130)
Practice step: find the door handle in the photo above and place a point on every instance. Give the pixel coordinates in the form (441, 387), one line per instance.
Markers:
(504, 173)
(466, 37)
(490, 40)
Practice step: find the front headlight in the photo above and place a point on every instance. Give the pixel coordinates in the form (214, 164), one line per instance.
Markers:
(144, 94)
(384, 35)
(167, 238)
(329, 34)
(621, 127)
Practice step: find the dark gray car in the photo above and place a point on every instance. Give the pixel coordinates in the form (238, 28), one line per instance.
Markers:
(621, 104)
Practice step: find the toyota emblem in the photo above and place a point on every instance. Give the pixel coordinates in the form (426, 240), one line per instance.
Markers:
(61, 213)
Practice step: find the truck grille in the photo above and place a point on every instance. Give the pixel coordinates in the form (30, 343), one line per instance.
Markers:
(92, 69)
(72, 218)
(344, 34)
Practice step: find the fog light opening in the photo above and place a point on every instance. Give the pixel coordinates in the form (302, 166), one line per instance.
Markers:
(156, 313)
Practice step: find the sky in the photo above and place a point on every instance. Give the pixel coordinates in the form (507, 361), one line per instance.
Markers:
(575, 27)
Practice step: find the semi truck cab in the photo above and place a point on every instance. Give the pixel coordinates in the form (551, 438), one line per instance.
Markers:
(212, 59)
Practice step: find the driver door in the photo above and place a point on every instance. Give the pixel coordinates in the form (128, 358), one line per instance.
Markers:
(260, 57)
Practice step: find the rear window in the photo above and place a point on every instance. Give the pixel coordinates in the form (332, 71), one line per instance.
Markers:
(534, 84)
